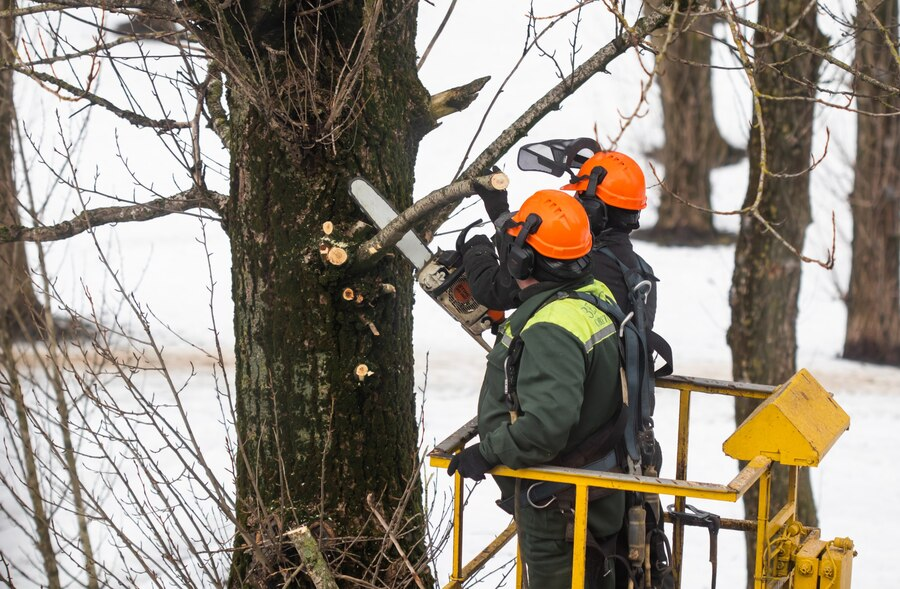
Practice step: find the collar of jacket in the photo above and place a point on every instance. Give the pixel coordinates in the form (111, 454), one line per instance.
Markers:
(536, 289)
(534, 296)
(612, 236)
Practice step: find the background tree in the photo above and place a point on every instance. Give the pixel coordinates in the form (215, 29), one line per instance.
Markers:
(693, 146)
(18, 305)
(873, 299)
(767, 264)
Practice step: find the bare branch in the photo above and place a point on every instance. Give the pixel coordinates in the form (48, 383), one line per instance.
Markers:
(154, 8)
(36, 9)
(160, 207)
(551, 101)
(372, 250)
(103, 46)
(130, 116)
(815, 51)
(437, 34)
(456, 99)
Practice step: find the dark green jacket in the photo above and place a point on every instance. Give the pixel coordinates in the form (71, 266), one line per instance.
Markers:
(568, 386)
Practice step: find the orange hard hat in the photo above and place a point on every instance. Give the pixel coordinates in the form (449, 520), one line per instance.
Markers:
(619, 180)
(563, 231)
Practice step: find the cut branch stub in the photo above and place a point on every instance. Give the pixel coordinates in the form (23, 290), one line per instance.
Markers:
(362, 371)
(314, 563)
(456, 99)
(499, 181)
(372, 250)
(332, 254)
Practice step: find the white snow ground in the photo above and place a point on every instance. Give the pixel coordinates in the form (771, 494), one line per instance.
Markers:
(855, 487)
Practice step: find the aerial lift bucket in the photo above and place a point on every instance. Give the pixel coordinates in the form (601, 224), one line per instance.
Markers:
(795, 425)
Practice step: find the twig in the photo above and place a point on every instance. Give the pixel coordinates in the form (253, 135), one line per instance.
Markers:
(814, 50)
(437, 34)
(130, 116)
(387, 530)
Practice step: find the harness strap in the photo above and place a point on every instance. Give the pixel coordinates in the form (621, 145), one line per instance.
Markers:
(630, 345)
(656, 343)
(511, 367)
(659, 345)
(606, 550)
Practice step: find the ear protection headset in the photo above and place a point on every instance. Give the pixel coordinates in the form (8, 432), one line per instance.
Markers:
(593, 206)
(520, 257)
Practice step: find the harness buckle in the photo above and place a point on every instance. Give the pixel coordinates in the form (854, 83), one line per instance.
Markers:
(531, 502)
(643, 288)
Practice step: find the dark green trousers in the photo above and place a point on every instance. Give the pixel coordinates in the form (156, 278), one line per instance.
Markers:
(548, 556)
(549, 565)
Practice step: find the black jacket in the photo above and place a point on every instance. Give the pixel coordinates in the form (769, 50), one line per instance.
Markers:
(493, 287)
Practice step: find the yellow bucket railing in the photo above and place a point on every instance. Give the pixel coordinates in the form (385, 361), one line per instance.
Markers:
(804, 441)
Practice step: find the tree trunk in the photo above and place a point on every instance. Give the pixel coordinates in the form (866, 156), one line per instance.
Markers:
(317, 430)
(17, 301)
(873, 300)
(693, 145)
(766, 280)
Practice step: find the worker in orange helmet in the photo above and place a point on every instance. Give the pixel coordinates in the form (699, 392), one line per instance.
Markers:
(552, 383)
(610, 187)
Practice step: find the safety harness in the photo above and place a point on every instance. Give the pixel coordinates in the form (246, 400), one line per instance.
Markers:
(622, 444)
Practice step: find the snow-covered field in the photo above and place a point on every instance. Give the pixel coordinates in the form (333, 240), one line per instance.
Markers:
(855, 488)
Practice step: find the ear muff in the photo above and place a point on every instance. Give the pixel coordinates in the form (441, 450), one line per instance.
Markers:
(520, 257)
(595, 180)
(596, 211)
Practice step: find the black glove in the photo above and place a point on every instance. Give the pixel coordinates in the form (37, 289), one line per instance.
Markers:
(479, 241)
(496, 202)
(470, 464)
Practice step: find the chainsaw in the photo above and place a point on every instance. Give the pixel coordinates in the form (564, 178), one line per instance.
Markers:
(441, 275)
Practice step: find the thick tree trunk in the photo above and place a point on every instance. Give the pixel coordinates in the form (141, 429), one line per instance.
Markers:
(766, 279)
(17, 300)
(873, 300)
(317, 430)
(693, 145)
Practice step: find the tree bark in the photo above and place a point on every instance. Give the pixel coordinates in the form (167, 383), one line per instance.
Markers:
(314, 436)
(18, 304)
(873, 299)
(693, 146)
(766, 280)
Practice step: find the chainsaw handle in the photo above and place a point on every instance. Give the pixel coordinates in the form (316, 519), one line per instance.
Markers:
(464, 233)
